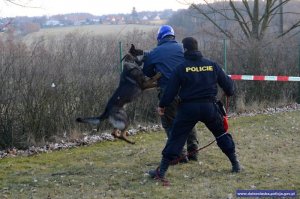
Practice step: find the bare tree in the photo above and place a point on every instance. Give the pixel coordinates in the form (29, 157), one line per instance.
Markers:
(253, 17)
(22, 3)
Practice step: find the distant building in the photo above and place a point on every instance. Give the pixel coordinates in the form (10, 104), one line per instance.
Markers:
(157, 17)
(79, 22)
(96, 20)
(53, 23)
(144, 17)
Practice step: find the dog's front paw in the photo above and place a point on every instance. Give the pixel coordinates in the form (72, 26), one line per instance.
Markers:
(157, 76)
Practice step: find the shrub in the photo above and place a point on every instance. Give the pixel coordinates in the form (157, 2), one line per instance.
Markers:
(47, 84)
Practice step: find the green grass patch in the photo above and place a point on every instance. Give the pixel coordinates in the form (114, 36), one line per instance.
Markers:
(267, 145)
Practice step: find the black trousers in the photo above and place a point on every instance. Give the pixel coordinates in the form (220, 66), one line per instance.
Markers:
(188, 114)
(167, 120)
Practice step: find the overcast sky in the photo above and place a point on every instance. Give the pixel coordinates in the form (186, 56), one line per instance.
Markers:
(96, 7)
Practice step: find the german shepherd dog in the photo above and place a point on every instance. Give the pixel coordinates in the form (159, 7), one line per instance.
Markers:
(132, 83)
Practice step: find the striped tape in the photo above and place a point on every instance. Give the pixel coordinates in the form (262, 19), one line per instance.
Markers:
(265, 78)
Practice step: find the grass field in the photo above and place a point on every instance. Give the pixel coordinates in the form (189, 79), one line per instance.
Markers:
(103, 30)
(268, 147)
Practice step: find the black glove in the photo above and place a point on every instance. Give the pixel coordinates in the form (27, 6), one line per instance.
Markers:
(135, 52)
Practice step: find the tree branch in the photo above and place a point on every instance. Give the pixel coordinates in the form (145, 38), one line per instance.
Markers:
(265, 18)
(211, 20)
(245, 2)
(297, 24)
(21, 4)
(238, 16)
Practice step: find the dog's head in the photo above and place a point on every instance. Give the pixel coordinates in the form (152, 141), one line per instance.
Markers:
(129, 58)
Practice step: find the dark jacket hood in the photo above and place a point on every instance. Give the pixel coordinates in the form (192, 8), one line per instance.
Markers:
(193, 55)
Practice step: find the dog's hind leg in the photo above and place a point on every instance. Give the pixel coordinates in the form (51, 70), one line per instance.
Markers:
(121, 135)
(116, 133)
(118, 118)
(124, 137)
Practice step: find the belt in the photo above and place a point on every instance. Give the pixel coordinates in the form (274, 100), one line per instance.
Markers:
(200, 100)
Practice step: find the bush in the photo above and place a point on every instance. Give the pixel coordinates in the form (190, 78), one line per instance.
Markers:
(46, 85)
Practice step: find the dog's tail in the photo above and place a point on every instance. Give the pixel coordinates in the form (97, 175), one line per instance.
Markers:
(93, 120)
(89, 120)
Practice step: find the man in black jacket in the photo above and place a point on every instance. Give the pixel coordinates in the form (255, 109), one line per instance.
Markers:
(195, 81)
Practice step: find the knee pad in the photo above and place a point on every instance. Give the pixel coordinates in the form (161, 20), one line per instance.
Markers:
(226, 144)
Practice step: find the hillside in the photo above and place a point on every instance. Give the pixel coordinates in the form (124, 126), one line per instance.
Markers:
(267, 144)
(101, 30)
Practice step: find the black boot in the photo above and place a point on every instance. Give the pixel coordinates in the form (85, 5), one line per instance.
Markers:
(193, 154)
(234, 163)
(226, 144)
(193, 145)
(183, 157)
(161, 170)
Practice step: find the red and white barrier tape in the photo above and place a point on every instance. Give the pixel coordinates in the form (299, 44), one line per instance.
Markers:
(265, 78)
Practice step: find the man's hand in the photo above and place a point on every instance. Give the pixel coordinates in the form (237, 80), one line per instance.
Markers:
(160, 111)
(135, 52)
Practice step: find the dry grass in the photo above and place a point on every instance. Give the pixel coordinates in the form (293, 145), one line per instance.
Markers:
(268, 147)
(102, 30)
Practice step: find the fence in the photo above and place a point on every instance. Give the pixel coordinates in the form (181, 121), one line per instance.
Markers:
(263, 77)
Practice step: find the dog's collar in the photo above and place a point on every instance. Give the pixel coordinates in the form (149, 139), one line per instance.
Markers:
(131, 80)
(131, 65)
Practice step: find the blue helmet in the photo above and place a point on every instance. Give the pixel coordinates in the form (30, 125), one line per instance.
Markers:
(164, 31)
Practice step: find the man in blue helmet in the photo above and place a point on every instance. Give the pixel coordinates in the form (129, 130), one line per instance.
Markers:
(196, 82)
(164, 59)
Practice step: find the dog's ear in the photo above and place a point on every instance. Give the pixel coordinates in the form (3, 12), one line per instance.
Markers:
(135, 52)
